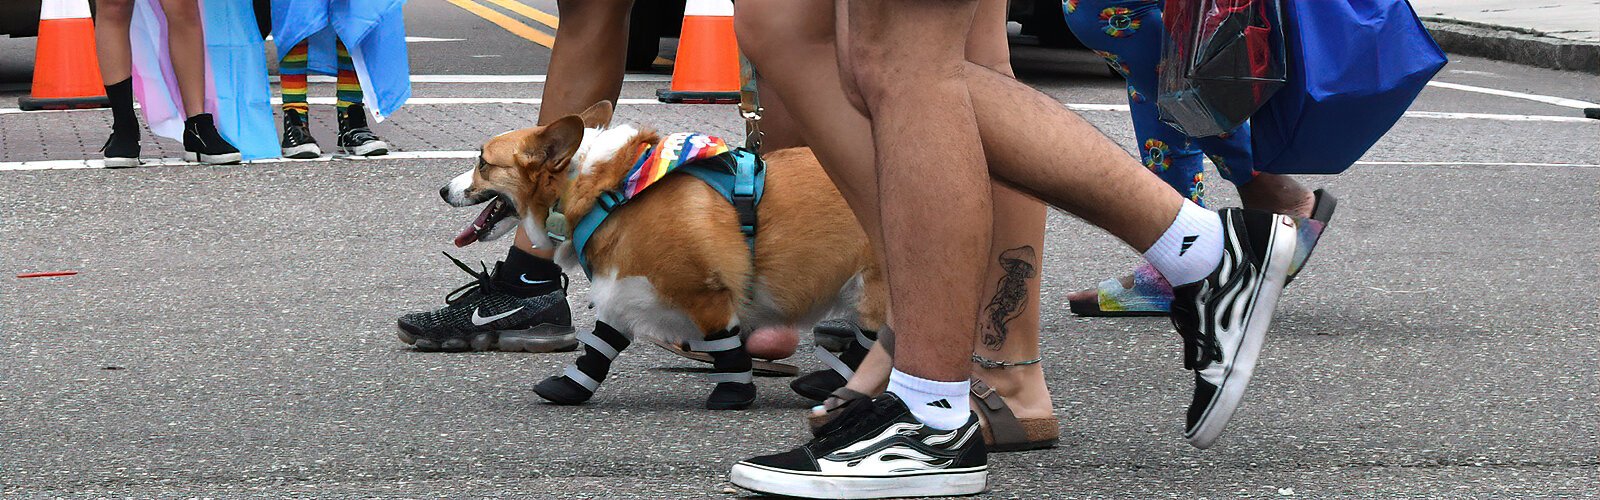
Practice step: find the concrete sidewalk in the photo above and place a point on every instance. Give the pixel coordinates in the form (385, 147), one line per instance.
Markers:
(1558, 34)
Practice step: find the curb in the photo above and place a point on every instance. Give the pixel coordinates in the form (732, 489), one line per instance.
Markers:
(1516, 45)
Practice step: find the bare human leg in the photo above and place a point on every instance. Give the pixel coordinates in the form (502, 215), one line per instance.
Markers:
(112, 47)
(187, 44)
(802, 41)
(586, 67)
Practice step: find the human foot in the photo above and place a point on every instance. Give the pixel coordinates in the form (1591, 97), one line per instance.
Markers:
(1278, 194)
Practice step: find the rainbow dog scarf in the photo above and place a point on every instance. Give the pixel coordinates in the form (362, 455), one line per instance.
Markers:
(737, 174)
(674, 151)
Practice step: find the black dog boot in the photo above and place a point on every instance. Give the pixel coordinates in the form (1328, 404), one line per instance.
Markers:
(730, 369)
(202, 142)
(578, 383)
(820, 384)
(354, 136)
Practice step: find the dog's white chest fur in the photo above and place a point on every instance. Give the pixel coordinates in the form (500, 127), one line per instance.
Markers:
(631, 304)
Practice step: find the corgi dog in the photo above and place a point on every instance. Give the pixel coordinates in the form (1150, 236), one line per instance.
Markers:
(671, 263)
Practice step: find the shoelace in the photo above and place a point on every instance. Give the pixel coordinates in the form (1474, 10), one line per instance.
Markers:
(1199, 350)
(482, 282)
(856, 413)
(361, 135)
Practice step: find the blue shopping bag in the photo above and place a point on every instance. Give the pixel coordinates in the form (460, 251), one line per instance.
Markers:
(1354, 68)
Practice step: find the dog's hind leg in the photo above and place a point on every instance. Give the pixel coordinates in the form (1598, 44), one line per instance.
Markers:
(736, 389)
(581, 378)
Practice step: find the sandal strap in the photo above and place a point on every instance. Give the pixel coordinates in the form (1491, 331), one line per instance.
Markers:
(1003, 424)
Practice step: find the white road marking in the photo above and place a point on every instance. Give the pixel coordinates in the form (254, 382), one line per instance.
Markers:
(1558, 101)
(473, 154)
(631, 77)
(415, 39)
(1118, 108)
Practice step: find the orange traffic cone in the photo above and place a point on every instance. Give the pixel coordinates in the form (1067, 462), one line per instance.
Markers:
(66, 74)
(707, 67)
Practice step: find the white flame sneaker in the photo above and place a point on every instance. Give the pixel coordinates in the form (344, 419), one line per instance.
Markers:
(875, 449)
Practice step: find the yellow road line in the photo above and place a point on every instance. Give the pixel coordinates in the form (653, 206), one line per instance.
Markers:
(536, 15)
(514, 26)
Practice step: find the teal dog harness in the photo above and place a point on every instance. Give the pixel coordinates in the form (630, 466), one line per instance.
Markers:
(738, 174)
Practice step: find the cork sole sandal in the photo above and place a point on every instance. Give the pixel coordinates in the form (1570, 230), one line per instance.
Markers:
(1003, 431)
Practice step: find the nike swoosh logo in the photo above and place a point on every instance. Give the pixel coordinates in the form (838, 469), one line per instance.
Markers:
(525, 279)
(478, 320)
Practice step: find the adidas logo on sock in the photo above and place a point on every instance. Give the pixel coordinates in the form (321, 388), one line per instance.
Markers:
(1188, 241)
(940, 404)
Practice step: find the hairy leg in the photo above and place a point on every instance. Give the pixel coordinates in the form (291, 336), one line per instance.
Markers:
(1277, 193)
(586, 67)
(795, 39)
(187, 44)
(936, 228)
(1009, 323)
(112, 47)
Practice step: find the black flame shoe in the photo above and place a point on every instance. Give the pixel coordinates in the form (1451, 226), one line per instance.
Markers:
(297, 140)
(202, 142)
(875, 449)
(354, 136)
(1224, 318)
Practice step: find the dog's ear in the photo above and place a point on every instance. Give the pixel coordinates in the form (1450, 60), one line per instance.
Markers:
(553, 145)
(598, 115)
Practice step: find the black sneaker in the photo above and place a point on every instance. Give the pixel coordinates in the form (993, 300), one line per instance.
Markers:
(820, 384)
(1224, 318)
(354, 136)
(483, 315)
(122, 149)
(875, 448)
(202, 142)
(297, 140)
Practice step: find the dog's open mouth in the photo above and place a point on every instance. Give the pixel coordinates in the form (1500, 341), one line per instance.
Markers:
(488, 224)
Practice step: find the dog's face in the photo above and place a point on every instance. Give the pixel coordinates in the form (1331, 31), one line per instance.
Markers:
(521, 173)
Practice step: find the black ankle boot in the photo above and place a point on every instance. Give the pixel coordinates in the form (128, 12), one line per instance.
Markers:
(122, 149)
(581, 378)
(354, 136)
(202, 142)
(297, 139)
(730, 362)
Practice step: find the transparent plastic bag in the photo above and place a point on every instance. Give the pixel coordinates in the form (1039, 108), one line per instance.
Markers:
(1221, 60)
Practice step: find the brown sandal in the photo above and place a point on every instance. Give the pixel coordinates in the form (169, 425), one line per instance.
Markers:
(760, 366)
(1003, 431)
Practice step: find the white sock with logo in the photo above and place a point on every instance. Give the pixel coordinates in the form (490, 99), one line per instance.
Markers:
(940, 405)
(1191, 248)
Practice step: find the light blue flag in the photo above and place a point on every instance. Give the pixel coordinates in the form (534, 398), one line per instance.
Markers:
(238, 61)
(372, 30)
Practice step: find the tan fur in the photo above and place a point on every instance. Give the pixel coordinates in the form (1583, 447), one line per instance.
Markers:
(684, 237)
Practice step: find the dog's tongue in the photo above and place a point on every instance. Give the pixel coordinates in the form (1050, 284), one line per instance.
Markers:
(469, 234)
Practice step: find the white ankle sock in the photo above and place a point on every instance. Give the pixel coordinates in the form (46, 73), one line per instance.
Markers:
(940, 405)
(1191, 247)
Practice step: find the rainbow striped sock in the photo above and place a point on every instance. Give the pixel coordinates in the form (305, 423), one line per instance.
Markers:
(292, 75)
(349, 84)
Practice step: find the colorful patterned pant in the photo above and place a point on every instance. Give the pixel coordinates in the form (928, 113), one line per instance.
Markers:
(292, 75)
(1128, 34)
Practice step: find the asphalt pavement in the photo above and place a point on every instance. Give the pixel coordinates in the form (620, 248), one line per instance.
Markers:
(230, 329)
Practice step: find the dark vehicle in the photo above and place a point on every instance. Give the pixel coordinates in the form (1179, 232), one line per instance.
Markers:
(19, 18)
(652, 20)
